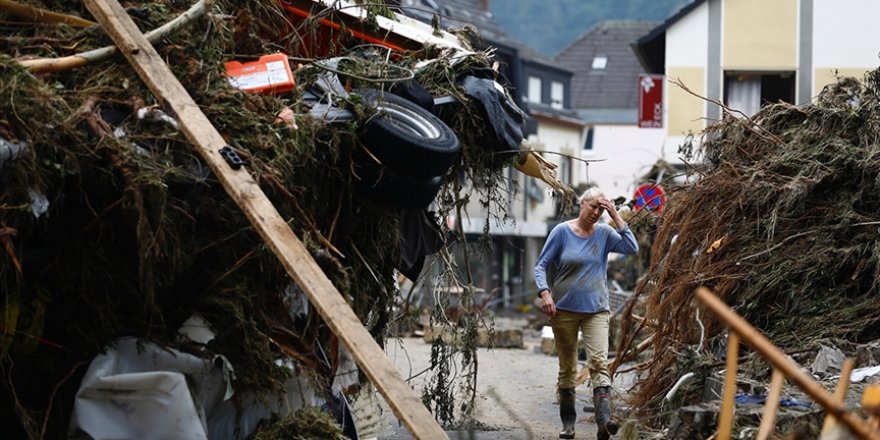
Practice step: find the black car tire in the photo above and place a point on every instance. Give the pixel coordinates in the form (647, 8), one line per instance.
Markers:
(393, 190)
(415, 92)
(407, 138)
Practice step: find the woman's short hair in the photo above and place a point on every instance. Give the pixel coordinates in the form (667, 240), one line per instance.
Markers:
(591, 194)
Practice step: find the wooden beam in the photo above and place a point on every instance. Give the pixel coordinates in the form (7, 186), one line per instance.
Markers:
(768, 421)
(241, 186)
(725, 418)
(831, 429)
(788, 367)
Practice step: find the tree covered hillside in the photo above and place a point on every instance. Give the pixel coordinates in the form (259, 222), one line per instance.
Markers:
(551, 25)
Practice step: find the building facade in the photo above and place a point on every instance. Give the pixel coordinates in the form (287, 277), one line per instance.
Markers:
(605, 95)
(746, 53)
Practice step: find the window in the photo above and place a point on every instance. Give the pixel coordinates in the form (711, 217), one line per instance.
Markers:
(557, 94)
(588, 142)
(565, 170)
(748, 92)
(599, 62)
(534, 89)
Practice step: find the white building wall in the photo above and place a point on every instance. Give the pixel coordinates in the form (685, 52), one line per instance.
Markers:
(627, 153)
(846, 33)
(687, 45)
(687, 40)
(566, 140)
(846, 40)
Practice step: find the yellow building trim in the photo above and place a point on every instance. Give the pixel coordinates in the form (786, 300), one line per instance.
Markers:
(823, 76)
(685, 111)
(759, 35)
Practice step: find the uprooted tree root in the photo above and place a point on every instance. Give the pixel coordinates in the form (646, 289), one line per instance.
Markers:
(782, 224)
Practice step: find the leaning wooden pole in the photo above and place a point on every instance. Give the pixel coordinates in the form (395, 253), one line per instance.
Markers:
(768, 420)
(788, 367)
(831, 427)
(241, 186)
(728, 402)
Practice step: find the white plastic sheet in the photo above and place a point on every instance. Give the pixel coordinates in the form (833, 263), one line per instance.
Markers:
(859, 374)
(132, 394)
(145, 392)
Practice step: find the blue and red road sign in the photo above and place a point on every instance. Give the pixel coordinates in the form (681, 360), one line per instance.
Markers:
(649, 196)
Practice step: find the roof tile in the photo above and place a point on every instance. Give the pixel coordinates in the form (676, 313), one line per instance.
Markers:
(615, 86)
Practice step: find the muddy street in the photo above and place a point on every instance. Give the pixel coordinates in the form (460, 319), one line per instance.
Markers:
(516, 391)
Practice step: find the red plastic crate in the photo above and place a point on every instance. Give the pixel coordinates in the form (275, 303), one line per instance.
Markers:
(269, 74)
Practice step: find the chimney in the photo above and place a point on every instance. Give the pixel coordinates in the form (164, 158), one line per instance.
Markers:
(485, 4)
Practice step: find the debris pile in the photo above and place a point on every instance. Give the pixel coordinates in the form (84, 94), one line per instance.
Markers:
(782, 224)
(111, 226)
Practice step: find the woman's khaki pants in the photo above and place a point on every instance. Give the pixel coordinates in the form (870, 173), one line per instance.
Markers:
(594, 327)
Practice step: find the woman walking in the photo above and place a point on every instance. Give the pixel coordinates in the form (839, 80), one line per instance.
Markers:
(576, 298)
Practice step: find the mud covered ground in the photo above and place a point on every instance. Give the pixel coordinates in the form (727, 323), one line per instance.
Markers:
(516, 392)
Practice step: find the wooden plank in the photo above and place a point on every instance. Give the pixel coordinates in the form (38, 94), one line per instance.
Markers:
(725, 418)
(768, 421)
(241, 186)
(788, 367)
(831, 429)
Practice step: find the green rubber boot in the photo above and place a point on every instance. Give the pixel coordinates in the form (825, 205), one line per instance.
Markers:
(602, 405)
(567, 412)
